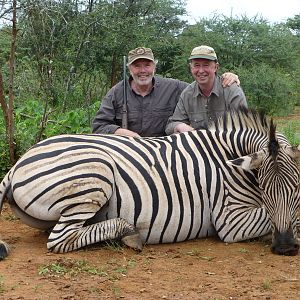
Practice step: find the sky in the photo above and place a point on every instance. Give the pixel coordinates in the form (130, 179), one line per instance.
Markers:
(271, 10)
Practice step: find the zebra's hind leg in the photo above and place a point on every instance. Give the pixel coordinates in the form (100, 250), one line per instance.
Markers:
(70, 233)
(132, 239)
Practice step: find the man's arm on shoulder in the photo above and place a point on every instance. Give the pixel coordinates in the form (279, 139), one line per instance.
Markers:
(182, 85)
(229, 78)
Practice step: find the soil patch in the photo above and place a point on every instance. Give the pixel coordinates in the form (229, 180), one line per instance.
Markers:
(200, 269)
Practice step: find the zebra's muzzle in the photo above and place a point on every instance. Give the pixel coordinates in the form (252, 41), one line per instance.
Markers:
(285, 243)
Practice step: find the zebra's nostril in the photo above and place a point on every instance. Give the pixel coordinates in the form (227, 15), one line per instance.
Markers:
(288, 250)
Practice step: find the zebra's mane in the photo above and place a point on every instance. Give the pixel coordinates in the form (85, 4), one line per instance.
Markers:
(249, 119)
(242, 119)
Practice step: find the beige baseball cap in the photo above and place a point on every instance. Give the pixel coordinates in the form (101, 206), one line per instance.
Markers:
(140, 52)
(205, 52)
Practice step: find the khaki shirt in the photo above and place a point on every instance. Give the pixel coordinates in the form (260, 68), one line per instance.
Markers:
(195, 109)
(147, 115)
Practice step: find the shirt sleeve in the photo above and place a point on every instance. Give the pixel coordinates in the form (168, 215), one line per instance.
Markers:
(105, 120)
(179, 116)
(182, 85)
(237, 98)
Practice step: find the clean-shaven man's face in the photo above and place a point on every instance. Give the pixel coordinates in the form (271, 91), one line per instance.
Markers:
(203, 70)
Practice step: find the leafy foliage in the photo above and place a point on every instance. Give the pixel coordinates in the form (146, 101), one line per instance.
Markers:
(269, 89)
(28, 118)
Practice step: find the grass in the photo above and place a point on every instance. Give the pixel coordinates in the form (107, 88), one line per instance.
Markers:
(69, 267)
(243, 250)
(199, 254)
(113, 270)
(114, 245)
(290, 127)
(266, 285)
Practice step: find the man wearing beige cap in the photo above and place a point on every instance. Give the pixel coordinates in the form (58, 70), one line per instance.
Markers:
(205, 97)
(151, 99)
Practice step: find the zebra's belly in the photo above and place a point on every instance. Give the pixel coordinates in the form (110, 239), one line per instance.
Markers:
(41, 212)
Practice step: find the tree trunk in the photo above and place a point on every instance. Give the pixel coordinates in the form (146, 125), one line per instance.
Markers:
(10, 108)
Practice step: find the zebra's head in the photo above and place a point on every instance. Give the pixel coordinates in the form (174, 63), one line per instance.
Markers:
(279, 182)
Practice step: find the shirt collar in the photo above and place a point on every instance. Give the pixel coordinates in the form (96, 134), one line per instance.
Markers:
(215, 90)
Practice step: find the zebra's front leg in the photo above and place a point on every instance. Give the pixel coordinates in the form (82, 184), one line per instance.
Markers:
(237, 224)
(69, 233)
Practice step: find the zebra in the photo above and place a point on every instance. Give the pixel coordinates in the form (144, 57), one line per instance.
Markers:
(237, 179)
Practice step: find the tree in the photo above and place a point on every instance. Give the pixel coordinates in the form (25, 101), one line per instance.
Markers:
(294, 24)
(8, 108)
(71, 42)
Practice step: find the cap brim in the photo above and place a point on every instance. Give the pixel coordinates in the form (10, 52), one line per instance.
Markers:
(141, 57)
(203, 56)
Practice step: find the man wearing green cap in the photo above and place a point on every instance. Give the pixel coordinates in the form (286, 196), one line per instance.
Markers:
(205, 97)
(151, 99)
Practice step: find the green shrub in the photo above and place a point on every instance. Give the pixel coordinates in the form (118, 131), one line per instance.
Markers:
(28, 118)
(269, 89)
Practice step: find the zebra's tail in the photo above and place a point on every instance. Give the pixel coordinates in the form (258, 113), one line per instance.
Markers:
(5, 185)
(4, 249)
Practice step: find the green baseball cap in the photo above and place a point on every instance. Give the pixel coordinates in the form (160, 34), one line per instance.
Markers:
(205, 52)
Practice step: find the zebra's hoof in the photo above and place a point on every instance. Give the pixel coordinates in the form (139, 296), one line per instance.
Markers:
(133, 241)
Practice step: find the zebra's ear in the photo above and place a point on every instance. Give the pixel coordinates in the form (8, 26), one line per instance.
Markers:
(248, 162)
(293, 151)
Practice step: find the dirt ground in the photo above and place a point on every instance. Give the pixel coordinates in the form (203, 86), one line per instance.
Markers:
(205, 269)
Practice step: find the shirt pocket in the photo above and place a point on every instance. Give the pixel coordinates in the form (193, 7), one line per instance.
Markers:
(198, 120)
(165, 112)
(133, 118)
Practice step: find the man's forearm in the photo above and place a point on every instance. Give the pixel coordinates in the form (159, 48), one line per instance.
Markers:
(127, 132)
(102, 128)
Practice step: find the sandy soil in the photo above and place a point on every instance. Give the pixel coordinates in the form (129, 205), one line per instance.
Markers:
(202, 269)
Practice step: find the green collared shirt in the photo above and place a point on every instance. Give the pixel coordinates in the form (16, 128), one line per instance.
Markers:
(196, 109)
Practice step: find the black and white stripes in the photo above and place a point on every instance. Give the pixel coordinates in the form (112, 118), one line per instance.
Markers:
(158, 190)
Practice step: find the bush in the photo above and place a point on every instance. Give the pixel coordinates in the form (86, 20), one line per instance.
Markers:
(28, 118)
(269, 89)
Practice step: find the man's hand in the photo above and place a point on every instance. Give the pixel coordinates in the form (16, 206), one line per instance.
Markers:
(182, 127)
(229, 78)
(127, 132)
